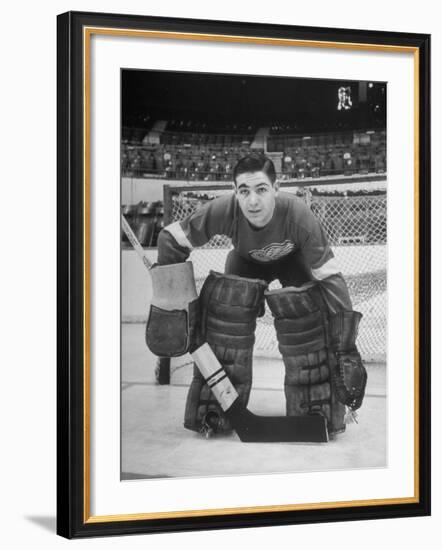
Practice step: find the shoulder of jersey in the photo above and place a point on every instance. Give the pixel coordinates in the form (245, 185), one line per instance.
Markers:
(290, 199)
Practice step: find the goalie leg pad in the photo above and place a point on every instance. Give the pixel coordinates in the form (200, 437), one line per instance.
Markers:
(229, 308)
(301, 330)
(172, 326)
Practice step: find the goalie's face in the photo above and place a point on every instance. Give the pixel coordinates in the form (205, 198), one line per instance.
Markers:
(256, 197)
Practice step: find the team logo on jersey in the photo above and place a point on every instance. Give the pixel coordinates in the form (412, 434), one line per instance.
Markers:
(272, 251)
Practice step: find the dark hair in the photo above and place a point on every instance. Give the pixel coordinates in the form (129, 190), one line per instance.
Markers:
(255, 162)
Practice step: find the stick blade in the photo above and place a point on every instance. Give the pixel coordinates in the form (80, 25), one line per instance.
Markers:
(252, 428)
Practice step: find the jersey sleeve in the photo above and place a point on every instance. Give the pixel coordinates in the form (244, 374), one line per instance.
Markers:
(324, 267)
(177, 240)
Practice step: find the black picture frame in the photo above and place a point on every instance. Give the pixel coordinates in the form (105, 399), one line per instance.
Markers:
(73, 498)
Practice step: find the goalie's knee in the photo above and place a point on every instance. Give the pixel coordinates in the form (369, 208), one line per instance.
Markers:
(229, 307)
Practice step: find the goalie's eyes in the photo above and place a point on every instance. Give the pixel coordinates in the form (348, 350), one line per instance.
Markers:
(259, 191)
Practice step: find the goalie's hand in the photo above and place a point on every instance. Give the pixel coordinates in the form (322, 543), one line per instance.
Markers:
(173, 325)
(172, 333)
(350, 379)
(349, 374)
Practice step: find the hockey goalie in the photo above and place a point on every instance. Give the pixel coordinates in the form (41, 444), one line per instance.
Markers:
(275, 236)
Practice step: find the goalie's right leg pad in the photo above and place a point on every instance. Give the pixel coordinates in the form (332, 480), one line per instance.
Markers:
(229, 306)
(301, 327)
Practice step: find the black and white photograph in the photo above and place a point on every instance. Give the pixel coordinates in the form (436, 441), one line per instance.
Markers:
(220, 235)
(253, 274)
(243, 263)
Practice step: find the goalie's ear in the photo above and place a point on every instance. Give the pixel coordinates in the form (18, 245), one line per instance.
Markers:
(276, 186)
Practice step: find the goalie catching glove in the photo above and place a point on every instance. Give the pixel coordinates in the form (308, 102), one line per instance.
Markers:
(349, 373)
(172, 326)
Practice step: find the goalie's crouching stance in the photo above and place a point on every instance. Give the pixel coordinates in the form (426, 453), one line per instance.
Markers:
(275, 236)
(224, 316)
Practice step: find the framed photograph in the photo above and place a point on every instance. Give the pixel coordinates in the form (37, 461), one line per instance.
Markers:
(243, 274)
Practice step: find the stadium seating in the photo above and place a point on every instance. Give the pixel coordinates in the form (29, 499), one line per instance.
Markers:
(146, 221)
(187, 151)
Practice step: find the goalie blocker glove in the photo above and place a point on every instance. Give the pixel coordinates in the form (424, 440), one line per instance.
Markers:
(172, 326)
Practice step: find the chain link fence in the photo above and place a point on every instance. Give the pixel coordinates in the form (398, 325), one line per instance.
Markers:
(357, 230)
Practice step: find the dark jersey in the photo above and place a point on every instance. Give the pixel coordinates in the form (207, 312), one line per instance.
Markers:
(293, 228)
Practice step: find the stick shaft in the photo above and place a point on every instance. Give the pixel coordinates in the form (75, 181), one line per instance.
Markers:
(215, 376)
(135, 242)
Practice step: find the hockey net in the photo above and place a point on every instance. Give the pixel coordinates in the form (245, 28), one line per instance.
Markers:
(356, 228)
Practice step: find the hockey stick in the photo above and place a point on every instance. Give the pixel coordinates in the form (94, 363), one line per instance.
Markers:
(249, 427)
(135, 243)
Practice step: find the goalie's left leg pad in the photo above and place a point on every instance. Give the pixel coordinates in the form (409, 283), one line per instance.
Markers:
(301, 327)
(229, 306)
